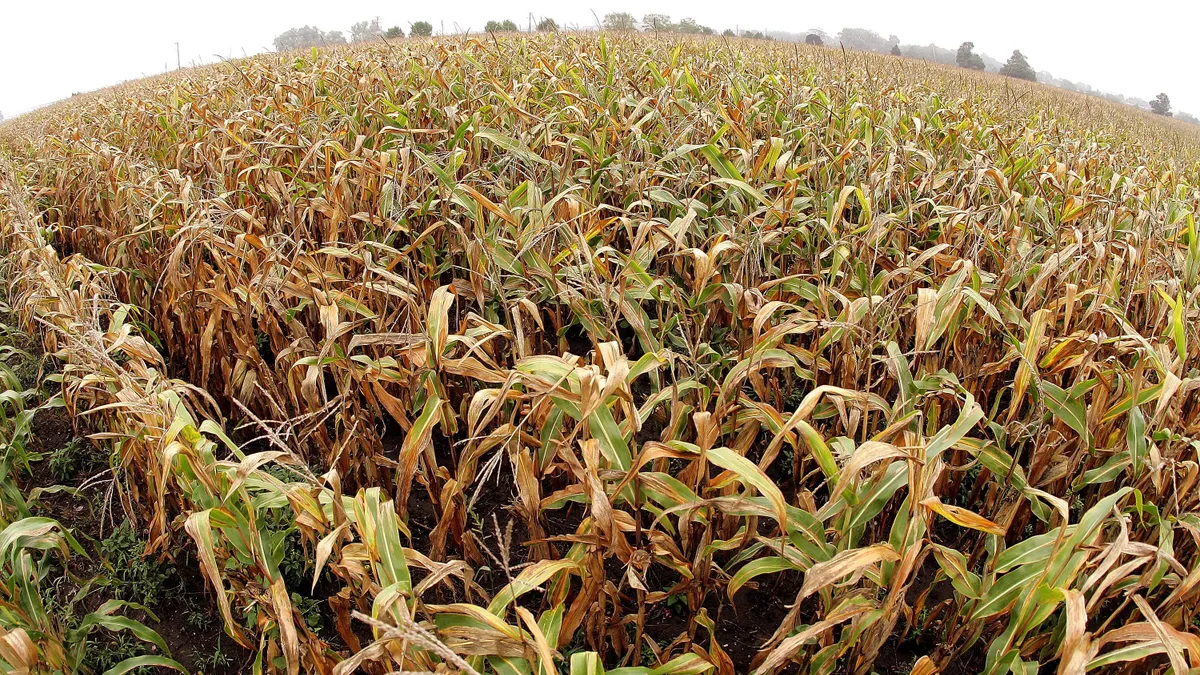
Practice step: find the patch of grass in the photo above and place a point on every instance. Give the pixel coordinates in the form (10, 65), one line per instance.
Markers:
(66, 462)
(109, 649)
(310, 609)
(196, 615)
(135, 577)
(216, 659)
(649, 660)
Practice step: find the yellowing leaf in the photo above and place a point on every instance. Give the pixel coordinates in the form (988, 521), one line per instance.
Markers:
(963, 517)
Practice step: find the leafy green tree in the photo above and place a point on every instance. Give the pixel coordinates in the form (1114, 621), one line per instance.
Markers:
(1018, 67)
(619, 21)
(728, 32)
(896, 50)
(547, 25)
(421, 29)
(967, 58)
(1161, 105)
(394, 32)
(813, 39)
(656, 22)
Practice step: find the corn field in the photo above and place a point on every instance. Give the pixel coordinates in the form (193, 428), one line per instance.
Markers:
(593, 354)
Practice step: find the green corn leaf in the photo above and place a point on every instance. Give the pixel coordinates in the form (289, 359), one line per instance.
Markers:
(946, 437)
(1135, 439)
(954, 564)
(604, 429)
(720, 163)
(1032, 551)
(120, 623)
(820, 451)
(1070, 410)
(749, 474)
(586, 663)
(1006, 590)
(755, 568)
(510, 144)
(531, 578)
(146, 661)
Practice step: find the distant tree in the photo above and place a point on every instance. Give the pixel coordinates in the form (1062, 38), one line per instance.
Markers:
(826, 38)
(967, 58)
(547, 25)
(364, 31)
(1161, 105)
(1018, 67)
(1, 116)
(656, 22)
(813, 39)
(505, 26)
(965, 52)
(1186, 117)
(896, 51)
(421, 29)
(689, 25)
(619, 21)
(728, 32)
(299, 38)
(932, 53)
(394, 32)
(863, 40)
(755, 35)
(306, 37)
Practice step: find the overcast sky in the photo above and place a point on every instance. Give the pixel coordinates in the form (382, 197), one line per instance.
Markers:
(51, 48)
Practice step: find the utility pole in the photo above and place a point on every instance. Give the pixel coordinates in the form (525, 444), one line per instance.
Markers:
(530, 30)
(177, 63)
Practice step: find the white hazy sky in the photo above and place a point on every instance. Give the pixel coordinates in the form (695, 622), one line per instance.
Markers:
(51, 48)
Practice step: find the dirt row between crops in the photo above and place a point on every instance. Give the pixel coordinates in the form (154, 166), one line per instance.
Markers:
(80, 496)
(69, 312)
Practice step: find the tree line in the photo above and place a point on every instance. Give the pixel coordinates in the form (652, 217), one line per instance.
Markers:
(862, 39)
(307, 37)
(965, 56)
